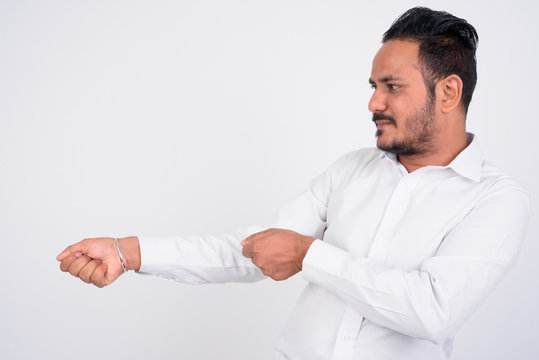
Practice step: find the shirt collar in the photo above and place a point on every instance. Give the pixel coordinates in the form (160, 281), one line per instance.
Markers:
(468, 163)
(470, 160)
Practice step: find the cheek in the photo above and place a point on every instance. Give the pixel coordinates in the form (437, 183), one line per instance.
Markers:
(403, 107)
(398, 110)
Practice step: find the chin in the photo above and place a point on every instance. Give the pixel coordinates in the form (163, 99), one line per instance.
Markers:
(383, 143)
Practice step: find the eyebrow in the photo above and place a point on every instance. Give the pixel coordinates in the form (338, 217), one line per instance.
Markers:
(386, 79)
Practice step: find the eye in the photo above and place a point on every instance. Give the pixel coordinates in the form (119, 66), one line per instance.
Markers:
(393, 87)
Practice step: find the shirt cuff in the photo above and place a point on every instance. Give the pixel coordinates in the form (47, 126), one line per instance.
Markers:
(157, 255)
(321, 260)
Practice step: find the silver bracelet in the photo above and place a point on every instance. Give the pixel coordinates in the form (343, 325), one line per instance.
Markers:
(120, 254)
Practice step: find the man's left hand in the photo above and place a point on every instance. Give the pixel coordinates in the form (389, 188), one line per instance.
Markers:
(278, 253)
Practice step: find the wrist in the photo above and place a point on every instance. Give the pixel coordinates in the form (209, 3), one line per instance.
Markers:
(130, 249)
(305, 244)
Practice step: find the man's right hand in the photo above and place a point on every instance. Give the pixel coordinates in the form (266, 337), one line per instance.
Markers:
(96, 260)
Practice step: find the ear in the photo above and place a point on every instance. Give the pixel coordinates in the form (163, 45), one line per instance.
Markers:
(450, 90)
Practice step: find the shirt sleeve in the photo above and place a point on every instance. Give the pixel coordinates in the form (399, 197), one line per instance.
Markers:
(199, 259)
(434, 300)
(218, 259)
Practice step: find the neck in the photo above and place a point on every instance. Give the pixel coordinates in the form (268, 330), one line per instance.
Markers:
(441, 153)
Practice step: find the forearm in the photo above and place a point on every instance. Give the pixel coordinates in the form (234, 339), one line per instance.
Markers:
(199, 259)
(433, 296)
(430, 302)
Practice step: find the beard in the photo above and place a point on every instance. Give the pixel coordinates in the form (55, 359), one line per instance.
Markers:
(420, 129)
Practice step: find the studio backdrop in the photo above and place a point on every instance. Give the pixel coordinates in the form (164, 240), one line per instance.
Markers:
(161, 118)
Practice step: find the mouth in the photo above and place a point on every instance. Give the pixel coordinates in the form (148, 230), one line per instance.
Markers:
(383, 120)
(383, 123)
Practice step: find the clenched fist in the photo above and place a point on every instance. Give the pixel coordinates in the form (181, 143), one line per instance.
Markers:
(96, 260)
(278, 253)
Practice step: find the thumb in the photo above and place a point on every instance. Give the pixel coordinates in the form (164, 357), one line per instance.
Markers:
(246, 240)
(81, 248)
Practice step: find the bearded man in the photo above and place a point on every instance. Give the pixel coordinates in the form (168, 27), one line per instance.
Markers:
(399, 243)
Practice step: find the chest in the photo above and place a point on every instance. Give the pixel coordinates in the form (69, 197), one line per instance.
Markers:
(399, 220)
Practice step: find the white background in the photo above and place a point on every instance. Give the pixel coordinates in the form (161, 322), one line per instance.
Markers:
(126, 118)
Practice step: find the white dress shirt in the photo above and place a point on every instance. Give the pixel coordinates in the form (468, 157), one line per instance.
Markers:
(401, 261)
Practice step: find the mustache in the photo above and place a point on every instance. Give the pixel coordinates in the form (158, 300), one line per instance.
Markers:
(381, 116)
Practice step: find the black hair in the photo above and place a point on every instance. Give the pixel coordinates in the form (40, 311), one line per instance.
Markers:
(447, 46)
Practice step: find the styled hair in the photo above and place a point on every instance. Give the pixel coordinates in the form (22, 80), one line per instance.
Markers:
(447, 46)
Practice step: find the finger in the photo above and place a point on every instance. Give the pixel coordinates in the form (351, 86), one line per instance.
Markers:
(252, 237)
(77, 265)
(257, 236)
(68, 260)
(246, 240)
(87, 271)
(98, 276)
(80, 247)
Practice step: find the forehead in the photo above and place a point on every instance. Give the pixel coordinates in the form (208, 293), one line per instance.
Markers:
(396, 58)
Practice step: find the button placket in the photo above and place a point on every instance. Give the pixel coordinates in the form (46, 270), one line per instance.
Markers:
(346, 340)
(393, 215)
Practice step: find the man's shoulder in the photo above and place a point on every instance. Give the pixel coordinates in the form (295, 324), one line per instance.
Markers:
(498, 180)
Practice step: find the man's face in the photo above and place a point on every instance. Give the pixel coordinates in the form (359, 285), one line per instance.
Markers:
(401, 106)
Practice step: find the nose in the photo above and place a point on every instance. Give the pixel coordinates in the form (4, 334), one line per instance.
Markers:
(377, 103)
